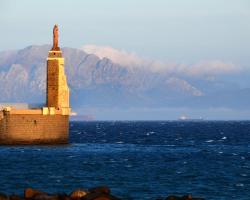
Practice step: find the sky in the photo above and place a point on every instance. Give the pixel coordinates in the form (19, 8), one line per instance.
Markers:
(196, 33)
(168, 30)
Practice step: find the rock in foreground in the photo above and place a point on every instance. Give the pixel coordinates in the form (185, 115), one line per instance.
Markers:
(97, 193)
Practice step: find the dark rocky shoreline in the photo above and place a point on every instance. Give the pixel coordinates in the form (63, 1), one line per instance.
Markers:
(97, 193)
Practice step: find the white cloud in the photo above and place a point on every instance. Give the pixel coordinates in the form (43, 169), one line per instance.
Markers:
(117, 56)
(208, 68)
(203, 68)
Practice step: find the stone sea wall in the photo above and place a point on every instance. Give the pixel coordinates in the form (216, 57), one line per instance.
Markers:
(33, 128)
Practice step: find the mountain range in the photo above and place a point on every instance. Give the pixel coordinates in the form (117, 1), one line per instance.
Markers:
(108, 78)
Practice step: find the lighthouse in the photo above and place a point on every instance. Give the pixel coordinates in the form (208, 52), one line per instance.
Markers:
(43, 125)
(57, 87)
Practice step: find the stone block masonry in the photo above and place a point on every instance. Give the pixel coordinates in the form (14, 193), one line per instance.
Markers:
(57, 88)
(33, 128)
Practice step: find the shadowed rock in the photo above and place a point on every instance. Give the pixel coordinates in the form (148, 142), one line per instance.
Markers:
(3, 197)
(185, 197)
(99, 196)
(101, 189)
(15, 197)
(173, 198)
(30, 193)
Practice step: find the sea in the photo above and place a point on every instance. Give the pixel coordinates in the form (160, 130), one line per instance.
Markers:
(137, 160)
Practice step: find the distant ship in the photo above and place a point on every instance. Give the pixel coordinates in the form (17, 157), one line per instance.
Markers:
(76, 117)
(185, 118)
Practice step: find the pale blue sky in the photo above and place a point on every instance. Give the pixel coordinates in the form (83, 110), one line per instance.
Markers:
(177, 30)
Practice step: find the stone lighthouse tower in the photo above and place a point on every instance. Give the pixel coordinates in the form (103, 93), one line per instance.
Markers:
(57, 87)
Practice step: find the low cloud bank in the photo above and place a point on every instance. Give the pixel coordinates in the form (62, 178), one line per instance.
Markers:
(199, 69)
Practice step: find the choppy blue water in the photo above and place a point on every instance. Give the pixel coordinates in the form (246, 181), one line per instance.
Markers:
(137, 160)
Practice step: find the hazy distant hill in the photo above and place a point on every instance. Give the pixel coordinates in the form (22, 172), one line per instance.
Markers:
(102, 83)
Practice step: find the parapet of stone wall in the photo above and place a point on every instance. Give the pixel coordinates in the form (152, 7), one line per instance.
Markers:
(38, 111)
